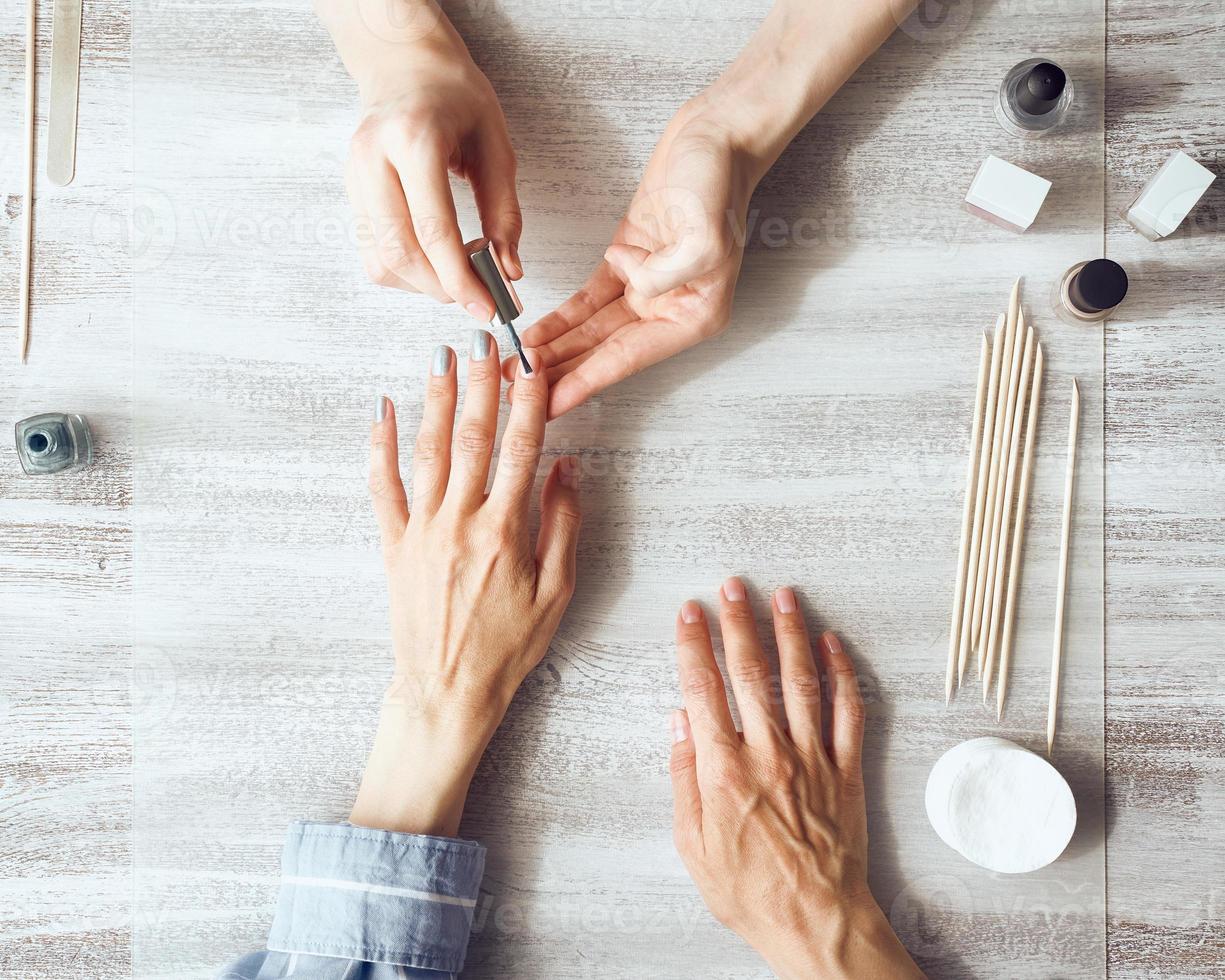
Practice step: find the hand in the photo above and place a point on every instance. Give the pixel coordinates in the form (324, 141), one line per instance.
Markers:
(771, 824)
(427, 112)
(474, 600)
(668, 278)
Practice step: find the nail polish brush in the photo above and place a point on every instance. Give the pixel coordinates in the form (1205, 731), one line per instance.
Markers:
(506, 303)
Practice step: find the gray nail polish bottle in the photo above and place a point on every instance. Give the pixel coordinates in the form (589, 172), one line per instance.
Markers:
(53, 442)
(1034, 98)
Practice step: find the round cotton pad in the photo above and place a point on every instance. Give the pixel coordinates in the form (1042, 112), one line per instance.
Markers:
(1000, 806)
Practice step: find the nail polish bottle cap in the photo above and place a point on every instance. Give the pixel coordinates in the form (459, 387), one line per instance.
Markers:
(488, 268)
(1099, 285)
(1041, 88)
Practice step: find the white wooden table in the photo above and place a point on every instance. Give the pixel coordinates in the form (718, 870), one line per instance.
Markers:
(220, 553)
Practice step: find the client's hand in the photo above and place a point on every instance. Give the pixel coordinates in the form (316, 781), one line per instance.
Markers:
(771, 824)
(474, 600)
(668, 277)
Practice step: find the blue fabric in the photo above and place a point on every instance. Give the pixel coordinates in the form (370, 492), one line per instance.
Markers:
(364, 904)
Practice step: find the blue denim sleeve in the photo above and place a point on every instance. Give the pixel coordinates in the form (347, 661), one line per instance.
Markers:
(357, 902)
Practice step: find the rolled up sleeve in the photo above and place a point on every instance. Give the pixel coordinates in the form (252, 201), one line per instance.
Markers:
(377, 896)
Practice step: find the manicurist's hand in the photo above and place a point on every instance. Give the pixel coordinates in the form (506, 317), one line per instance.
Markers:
(771, 823)
(475, 598)
(427, 112)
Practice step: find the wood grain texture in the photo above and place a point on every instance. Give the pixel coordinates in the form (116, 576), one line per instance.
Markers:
(66, 543)
(254, 319)
(1165, 529)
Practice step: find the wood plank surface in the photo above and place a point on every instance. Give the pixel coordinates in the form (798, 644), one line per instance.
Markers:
(255, 339)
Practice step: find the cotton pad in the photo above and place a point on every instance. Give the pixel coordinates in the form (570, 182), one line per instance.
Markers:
(1000, 806)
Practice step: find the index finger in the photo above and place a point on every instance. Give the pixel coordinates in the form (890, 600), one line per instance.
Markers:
(702, 688)
(432, 209)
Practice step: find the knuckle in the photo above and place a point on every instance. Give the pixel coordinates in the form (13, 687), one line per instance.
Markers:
(751, 671)
(702, 683)
(803, 686)
(853, 710)
(397, 253)
(428, 449)
(682, 763)
(791, 627)
(522, 448)
(782, 768)
(738, 613)
(432, 230)
(475, 439)
(725, 775)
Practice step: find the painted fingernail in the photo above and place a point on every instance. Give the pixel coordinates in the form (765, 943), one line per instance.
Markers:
(784, 598)
(480, 344)
(691, 612)
(680, 726)
(442, 361)
(568, 472)
(733, 590)
(380, 408)
(480, 311)
(533, 364)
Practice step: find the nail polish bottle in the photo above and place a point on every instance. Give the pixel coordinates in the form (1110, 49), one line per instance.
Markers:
(1033, 99)
(1089, 292)
(53, 442)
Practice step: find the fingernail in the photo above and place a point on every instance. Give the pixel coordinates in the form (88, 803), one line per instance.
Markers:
(832, 642)
(691, 612)
(514, 258)
(480, 344)
(680, 726)
(380, 408)
(784, 598)
(533, 363)
(733, 590)
(442, 361)
(568, 472)
(480, 311)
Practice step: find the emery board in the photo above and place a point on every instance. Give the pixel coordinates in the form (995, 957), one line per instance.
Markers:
(65, 84)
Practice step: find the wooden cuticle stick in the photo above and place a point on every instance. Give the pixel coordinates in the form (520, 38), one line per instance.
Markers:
(980, 498)
(1009, 370)
(1018, 536)
(996, 595)
(27, 217)
(967, 515)
(1052, 708)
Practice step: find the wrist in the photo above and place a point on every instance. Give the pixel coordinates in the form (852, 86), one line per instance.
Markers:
(425, 753)
(383, 43)
(854, 941)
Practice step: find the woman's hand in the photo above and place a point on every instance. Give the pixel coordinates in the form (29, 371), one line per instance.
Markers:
(667, 279)
(474, 599)
(427, 112)
(771, 824)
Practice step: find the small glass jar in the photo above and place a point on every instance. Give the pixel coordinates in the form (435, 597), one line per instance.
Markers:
(1089, 292)
(1034, 98)
(53, 442)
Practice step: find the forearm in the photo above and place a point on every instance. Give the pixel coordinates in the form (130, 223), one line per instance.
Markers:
(381, 39)
(803, 52)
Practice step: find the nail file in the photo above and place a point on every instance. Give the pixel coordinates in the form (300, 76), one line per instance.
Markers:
(65, 87)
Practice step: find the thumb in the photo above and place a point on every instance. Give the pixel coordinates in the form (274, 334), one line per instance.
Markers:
(686, 798)
(653, 273)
